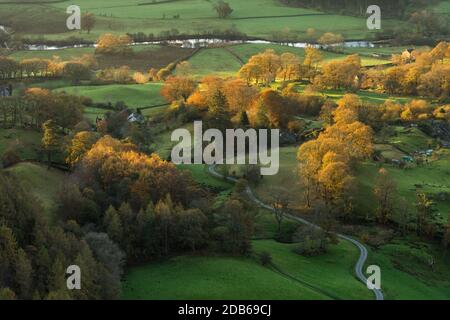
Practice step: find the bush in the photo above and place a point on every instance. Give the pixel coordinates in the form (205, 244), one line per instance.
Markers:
(265, 258)
(10, 158)
(310, 248)
(140, 78)
(86, 101)
(311, 242)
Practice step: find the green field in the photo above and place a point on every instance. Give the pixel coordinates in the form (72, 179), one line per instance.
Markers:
(410, 140)
(245, 51)
(26, 143)
(49, 84)
(212, 278)
(443, 7)
(143, 58)
(432, 178)
(91, 113)
(202, 176)
(259, 18)
(405, 273)
(389, 152)
(43, 183)
(336, 278)
(383, 50)
(371, 97)
(217, 62)
(63, 54)
(287, 177)
(152, 112)
(134, 95)
(226, 62)
(163, 144)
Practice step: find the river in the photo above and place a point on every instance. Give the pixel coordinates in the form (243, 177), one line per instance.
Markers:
(203, 43)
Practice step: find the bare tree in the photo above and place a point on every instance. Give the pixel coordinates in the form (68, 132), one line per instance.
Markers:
(223, 9)
(279, 200)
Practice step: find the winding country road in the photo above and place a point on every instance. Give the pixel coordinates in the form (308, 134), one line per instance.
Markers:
(362, 249)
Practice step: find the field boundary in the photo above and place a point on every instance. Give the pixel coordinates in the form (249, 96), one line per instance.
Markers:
(234, 54)
(304, 283)
(152, 107)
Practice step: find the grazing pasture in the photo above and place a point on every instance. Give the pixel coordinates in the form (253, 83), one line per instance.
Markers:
(257, 18)
(143, 59)
(44, 184)
(406, 273)
(216, 278)
(133, 95)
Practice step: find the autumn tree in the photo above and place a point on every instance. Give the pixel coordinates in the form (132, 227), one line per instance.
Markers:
(239, 95)
(51, 140)
(140, 78)
(385, 190)
(262, 67)
(178, 88)
(126, 175)
(65, 110)
(417, 110)
(290, 66)
(76, 72)
(330, 39)
(277, 111)
(8, 67)
(326, 112)
(279, 199)
(79, 145)
(88, 21)
(218, 115)
(425, 215)
(326, 163)
(311, 61)
(112, 44)
(428, 23)
(341, 74)
(184, 69)
(334, 178)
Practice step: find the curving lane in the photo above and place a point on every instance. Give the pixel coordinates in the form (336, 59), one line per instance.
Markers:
(362, 249)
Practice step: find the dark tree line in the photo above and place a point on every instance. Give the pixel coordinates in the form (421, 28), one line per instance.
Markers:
(358, 7)
(34, 254)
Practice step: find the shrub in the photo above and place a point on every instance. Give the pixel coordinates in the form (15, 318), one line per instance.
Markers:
(311, 242)
(140, 78)
(265, 258)
(10, 158)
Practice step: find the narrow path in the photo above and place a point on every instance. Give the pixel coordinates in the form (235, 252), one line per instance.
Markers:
(362, 249)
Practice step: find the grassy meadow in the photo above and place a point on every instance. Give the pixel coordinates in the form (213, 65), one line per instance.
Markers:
(44, 184)
(406, 274)
(412, 267)
(257, 18)
(133, 95)
(212, 278)
(144, 57)
(27, 143)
